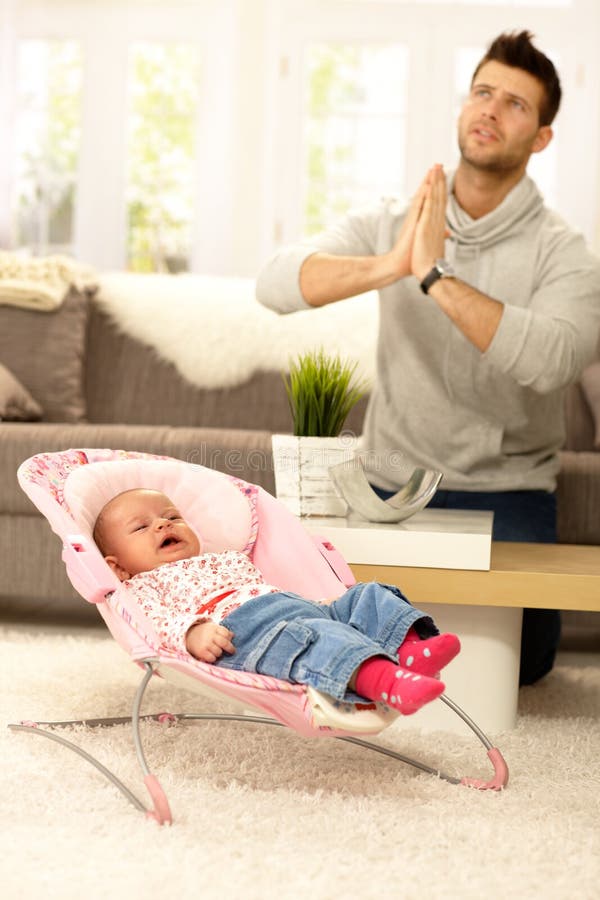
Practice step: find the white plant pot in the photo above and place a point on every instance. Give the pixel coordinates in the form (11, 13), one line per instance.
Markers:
(301, 466)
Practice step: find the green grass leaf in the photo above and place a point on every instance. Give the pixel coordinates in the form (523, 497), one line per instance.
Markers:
(321, 391)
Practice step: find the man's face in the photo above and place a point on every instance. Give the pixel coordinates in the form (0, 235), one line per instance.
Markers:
(499, 128)
(142, 529)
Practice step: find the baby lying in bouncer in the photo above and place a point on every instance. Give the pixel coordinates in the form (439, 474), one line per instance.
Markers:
(216, 607)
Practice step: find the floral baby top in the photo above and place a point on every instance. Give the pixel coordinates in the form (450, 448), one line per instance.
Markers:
(178, 594)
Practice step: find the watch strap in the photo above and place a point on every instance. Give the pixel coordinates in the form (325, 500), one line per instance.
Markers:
(441, 269)
(432, 276)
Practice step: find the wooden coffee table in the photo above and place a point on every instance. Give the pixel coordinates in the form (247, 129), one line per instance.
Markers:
(546, 576)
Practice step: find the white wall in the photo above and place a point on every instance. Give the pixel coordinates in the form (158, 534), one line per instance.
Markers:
(7, 49)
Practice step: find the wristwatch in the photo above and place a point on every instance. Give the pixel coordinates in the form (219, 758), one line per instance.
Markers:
(441, 269)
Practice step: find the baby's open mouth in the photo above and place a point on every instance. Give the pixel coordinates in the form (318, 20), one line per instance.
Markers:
(168, 541)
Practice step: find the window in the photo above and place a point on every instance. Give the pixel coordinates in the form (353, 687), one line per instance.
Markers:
(48, 127)
(164, 90)
(354, 133)
(205, 126)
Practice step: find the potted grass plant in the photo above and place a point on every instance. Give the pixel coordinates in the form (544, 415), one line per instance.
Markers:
(322, 389)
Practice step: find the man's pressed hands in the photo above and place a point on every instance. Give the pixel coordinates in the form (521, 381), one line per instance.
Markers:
(421, 238)
(430, 229)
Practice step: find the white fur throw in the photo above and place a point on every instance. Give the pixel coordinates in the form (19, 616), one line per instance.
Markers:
(217, 334)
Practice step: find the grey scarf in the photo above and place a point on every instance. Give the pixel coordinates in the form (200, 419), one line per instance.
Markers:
(511, 216)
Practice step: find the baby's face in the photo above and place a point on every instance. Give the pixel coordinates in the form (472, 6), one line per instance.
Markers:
(142, 529)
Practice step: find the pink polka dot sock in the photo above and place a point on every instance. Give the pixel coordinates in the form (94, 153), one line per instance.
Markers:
(427, 656)
(381, 680)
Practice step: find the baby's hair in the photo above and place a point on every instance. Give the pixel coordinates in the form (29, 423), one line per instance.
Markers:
(98, 532)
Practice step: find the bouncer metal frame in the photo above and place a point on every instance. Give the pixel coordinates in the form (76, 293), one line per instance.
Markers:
(160, 810)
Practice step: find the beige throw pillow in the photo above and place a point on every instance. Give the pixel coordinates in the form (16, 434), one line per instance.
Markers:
(16, 403)
(44, 350)
(590, 383)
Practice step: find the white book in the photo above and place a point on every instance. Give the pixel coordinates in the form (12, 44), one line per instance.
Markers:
(432, 538)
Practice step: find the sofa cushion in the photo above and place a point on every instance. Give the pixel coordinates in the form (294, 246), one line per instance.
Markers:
(16, 403)
(44, 351)
(590, 383)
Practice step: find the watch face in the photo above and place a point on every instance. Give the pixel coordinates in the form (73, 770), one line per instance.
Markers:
(444, 268)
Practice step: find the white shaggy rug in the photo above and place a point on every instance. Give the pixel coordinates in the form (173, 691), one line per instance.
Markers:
(260, 813)
(217, 334)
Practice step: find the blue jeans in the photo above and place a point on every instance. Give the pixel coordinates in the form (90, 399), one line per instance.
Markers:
(518, 516)
(285, 636)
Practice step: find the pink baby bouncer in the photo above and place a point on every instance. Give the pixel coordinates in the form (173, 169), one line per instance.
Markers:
(71, 487)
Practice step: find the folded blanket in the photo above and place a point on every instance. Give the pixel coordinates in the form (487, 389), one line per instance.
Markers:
(41, 283)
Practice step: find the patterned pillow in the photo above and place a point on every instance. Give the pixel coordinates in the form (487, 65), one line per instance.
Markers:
(16, 403)
(44, 351)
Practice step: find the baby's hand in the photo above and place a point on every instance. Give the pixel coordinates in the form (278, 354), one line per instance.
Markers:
(207, 641)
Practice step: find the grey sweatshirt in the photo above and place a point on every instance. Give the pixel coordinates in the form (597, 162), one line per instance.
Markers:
(489, 421)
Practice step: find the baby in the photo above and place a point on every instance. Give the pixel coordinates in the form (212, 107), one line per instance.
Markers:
(217, 607)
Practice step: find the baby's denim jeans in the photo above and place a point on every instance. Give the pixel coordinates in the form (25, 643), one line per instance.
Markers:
(297, 640)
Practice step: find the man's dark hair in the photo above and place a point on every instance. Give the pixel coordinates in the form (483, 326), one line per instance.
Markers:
(515, 49)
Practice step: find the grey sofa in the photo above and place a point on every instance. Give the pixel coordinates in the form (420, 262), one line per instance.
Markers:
(108, 390)
(98, 387)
